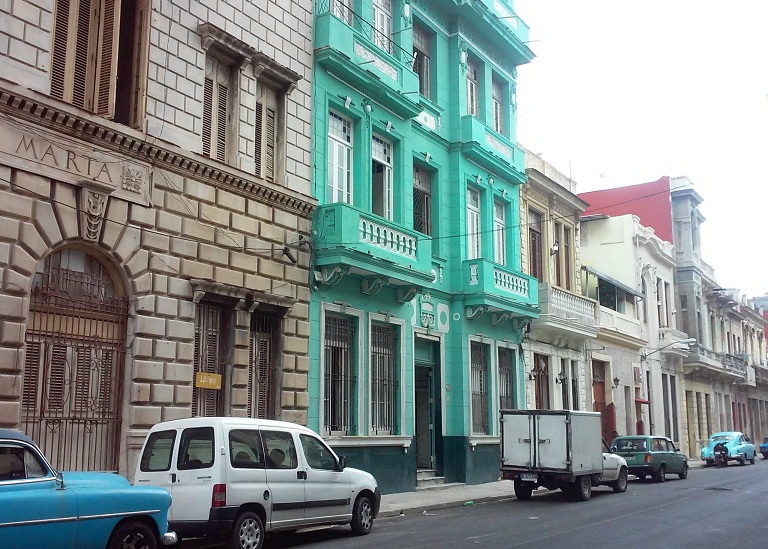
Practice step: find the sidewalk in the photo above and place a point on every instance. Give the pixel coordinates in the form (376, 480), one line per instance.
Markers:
(409, 503)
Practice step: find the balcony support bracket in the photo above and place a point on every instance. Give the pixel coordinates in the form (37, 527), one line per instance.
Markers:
(497, 318)
(520, 323)
(370, 286)
(474, 312)
(404, 295)
(329, 277)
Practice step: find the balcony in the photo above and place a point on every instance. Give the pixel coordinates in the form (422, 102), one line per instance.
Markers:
(491, 150)
(349, 50)
(618, 328)
(351, 241)
(714, 366)
(563, 311)
(488, 286)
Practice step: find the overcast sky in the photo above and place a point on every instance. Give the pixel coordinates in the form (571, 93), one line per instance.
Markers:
(623, 92)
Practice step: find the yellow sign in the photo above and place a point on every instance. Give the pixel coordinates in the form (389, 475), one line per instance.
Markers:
(204, 380)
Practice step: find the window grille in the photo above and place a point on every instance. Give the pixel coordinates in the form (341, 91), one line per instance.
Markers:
(506, 379)
(339, 379)
(384, 379)
(479, 377)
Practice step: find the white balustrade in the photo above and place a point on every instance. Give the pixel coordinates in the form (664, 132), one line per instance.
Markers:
(511, 283)
(386, 238)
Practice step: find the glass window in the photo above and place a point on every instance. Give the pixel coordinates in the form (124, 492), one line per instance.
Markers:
(384, 379)
(498, 104)
(317, 454)
(339, 158)
(12, 463)
(245, 449)
(158, 451)
(534, 245)
(473, 224)
(499, 232)
(422, 201)
(473, 89)
(381, 177)
(343, 10)
(280, 450)
(196, 448)
(382, 24)
(422, 46)
(480, 380)
(506, 379)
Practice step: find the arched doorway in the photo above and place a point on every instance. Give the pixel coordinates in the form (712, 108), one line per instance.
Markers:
(74, 362)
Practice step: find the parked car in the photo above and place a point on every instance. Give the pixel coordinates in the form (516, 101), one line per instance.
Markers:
(652, 456)
(764, 448)
(245, 477)
(739, 447)
(44, 508)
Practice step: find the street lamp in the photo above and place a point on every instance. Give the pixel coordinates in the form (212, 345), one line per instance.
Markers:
(688, 341)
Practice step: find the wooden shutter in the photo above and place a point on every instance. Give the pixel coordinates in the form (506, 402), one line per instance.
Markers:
(82, 77)
(265, 133)
(221, 123)
(60, 50)
(106, 370)
(31, 375)
(139, 64)
(106, 58)
(258, 133)
(83, 356)
(269, 172)
(57, 377)
(207, 116)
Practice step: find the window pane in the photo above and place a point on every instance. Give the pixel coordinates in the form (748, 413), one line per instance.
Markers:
(317, 454)
(245, 449)
(196, 448)
(158, 451)
(280, 450)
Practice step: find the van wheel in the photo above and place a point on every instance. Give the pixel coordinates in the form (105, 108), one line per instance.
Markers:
(362, 516)
(620, 484)
(582, 489)
(133, 535)
(247, 532)
(523, 491)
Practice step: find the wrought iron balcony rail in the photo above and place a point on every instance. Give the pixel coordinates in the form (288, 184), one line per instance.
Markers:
(342, 10)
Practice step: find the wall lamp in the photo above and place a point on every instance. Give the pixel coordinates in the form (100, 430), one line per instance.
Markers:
(689, 341)
(561, 378)
(616, 382)
(555, 248)
(289, 254)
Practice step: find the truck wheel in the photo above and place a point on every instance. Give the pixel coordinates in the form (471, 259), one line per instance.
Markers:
(523, 491)
(582, 489)
(620, 484)
(661, 474)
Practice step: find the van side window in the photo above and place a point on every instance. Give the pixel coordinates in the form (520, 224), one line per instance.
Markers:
(158, 451)
(280, 450)
(318, 456)
(245, 449)
(196, 448)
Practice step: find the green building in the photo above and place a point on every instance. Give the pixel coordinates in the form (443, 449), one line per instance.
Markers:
(419, 303)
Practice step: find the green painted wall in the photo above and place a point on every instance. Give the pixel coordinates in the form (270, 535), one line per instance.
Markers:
(378, 93)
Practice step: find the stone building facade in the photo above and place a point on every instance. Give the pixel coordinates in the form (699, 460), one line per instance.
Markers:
(154, 204)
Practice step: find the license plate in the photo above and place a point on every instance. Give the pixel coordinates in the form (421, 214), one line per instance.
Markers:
(529, 477)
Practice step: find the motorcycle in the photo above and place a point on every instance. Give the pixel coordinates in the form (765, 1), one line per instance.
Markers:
(720, 453)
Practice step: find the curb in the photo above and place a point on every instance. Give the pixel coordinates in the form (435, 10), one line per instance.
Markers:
(442, 505)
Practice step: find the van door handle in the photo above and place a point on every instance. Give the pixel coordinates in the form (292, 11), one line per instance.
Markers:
(301, 475)
(173, 477)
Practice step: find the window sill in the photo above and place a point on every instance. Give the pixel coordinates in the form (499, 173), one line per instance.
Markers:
(426, 102)
(484, 440)
(336, 441)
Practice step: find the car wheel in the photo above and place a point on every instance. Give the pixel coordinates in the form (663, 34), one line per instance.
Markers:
(132, 535)
(765, 455)
(661, 474)
(752, 459)
(620, 484)
(582, 489)
(742, 459)
(708, 463)
(523, 490)
(684, 474)
(247, 531)
(362, 516)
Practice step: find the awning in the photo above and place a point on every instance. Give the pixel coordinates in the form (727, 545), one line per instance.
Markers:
(612, 280)
(642, 401)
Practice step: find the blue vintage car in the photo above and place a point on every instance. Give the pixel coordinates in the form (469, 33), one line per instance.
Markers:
(43, 508)
(764, 448)
(737, 444)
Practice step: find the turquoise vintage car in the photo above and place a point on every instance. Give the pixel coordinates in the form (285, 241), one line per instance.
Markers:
(739, 447)
(41, 508)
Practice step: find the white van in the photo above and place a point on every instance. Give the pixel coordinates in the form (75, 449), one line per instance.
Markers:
(246, 477)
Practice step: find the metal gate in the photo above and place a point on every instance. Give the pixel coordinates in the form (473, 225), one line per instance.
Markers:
(75, 357)
(261, 366)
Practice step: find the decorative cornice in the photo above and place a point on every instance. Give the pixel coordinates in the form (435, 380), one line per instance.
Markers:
(96, 132)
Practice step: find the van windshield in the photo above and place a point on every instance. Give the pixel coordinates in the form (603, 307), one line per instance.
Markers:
(627, 444)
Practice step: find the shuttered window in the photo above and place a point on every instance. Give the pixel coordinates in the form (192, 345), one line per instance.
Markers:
(265, 136)
(261, 361)
(534, 244)
(31, 375)
(99, 55)
(216, 108)
(208, 332)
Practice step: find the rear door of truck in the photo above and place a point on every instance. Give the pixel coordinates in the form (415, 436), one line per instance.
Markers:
(517, 439)
(552, 441)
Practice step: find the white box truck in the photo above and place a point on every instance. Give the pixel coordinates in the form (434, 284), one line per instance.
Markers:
(558, 449)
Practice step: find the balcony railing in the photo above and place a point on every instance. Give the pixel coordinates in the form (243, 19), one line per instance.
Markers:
(482, 276)
(733, 363)
(619, 322)
(345, 233)
(563, 304)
